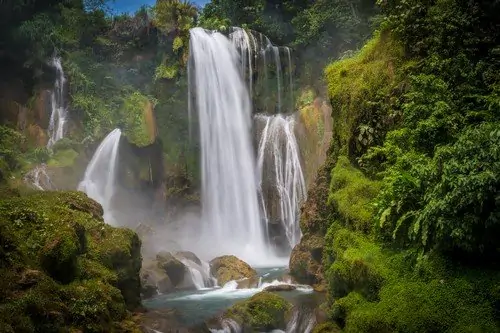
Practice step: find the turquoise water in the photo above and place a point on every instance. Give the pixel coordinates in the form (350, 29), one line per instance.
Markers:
(194, 307)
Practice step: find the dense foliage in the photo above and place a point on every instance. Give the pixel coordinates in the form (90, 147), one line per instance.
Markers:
(413, 209)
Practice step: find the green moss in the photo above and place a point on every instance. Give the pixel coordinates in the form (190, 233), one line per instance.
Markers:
(327, 328)
(351, 193)
(229, 268)
(436, 306)
(61, 266)
(358, 88)
(264, 311)
(63, 158)
(134, 118)
(354, 263)
(94, 305)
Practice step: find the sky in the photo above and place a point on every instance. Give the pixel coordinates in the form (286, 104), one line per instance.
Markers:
(130, 6)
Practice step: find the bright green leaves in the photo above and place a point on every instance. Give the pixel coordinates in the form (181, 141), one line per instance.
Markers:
(166, 72)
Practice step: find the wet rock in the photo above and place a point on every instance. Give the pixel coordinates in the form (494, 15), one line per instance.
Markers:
(154, 280)
(174, 268)
(248, 283)
(189, 256)
(281, 287)
(228, 268)
(167, 321)
(305, 261)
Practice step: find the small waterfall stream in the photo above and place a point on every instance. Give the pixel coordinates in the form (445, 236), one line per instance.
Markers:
(58, 113)
(99, 180)
(282, 186)
(39, 179)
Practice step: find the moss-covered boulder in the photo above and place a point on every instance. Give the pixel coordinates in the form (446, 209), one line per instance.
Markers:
(262, 312)
(228, 268)
(62, 268)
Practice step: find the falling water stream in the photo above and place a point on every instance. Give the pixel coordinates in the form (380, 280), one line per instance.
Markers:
(99, 180)
(58, 113)
(229, 187)
(282, 186)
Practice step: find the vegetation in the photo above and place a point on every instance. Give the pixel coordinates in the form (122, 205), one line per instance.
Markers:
(411, 210)
(61, 267)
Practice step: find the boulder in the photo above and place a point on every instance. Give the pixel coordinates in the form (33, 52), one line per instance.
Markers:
(305, 262)
(188, 256)
(281, 287)
(248, 283)
(154, 280)
(172, 266)
(263, 312)
(228, 268)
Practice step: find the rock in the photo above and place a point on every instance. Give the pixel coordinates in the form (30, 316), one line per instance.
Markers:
(263, 312)
(167, 321)
(228, 268)
(305, 261)
(174, 268)
(248, 283)
(189, 256)
(154, 280)
(281, 287)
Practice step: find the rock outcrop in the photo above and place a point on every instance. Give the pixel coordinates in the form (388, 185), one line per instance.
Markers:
(262, 312)
(57, 251)
(281, 287)
(306, 258)
(228, 268)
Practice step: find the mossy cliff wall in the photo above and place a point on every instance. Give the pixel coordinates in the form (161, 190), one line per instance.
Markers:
(63, 269)
(374, 285)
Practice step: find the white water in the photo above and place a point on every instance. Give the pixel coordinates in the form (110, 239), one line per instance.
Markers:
(230, 290)
(279, 167)
(299, 320)
(58, 113)
(39, 179)
(231, 218)
(255, 49)
(228, 326)
(200, 274)
(99, 180)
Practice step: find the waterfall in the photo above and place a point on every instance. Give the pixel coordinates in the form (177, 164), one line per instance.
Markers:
(255, 49)
(281, 180)
(99, 179)
(228, 326)
(303, 321)
(200, 273)
(231, 216)
(58, 108)
(39, 179)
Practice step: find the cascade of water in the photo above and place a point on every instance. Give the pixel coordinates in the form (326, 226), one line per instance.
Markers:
(58, 113)
(302, 321)
(229, 192)
(200, 274)
(254, 49)
(228, 326)
(39, 178)
(280, 174)
(99, 179)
